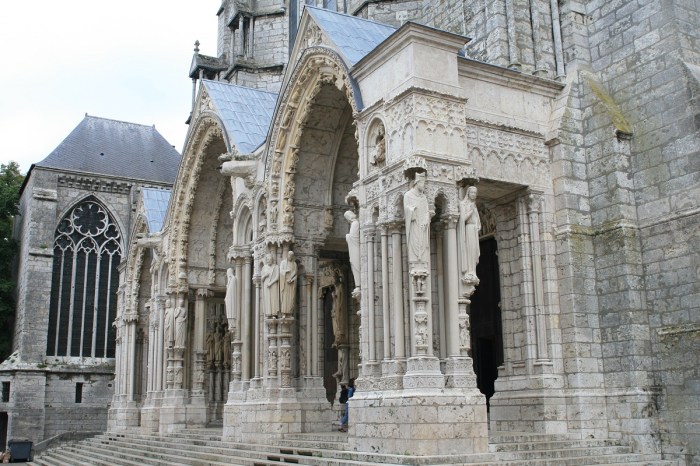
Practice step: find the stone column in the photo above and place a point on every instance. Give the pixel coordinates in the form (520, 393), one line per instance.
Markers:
(371, 337)
(533, 211)
(246, 320)
(159, 345)
(200, 355)
(397, 285)
(272, 353)
(386, 317)
(256, 330)
(314, 318)
(311, 330)
(440, 267)
(452, 289)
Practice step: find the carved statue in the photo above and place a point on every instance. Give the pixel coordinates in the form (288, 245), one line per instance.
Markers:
(218, 344)
(338, 316)
(226, 346)
(180, 323)
(379, 153)
(417, 216)
(273, 213)
(270, 275)
(353, 240)
(272, 358)
(468, 234)
(343, 372)
(230, 293)
(288, 284)
(211, 347)
(168, 326)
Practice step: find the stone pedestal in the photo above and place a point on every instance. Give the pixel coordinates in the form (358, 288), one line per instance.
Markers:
(268, 414)
(419, 422)
(124, 415)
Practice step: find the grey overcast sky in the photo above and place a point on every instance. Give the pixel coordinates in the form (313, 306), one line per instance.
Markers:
(126, 60)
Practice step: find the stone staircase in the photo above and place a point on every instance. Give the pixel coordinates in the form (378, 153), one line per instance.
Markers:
(204, 447)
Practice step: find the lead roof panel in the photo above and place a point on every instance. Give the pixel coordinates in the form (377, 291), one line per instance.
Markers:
(355, 37)
(117, 148)
(246, 113)
(155, 205)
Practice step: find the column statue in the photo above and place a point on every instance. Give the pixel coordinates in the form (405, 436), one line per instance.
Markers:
(270, 275)
(180, 323)
(353, 240)
(417, 216)
(230, 293)
(211, 347)
(288, 284)
(379, 154)
(468, 234)
(168, 325)
(338, 316)
(226, 346)
(218, 345)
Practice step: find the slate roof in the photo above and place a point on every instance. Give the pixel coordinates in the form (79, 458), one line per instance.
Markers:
(117, 148)
(155, 204)
(355, 37)
(246, 113)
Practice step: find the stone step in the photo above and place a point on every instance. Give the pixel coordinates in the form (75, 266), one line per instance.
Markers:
(608, 460)
(205, 448)
(552, 445)
(218, 452)
(167, 456)
(563, 453)
(527, 437)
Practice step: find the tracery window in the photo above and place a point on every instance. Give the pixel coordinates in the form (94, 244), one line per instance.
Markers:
(87, 250)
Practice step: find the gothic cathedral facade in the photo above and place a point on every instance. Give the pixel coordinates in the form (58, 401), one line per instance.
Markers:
(482, 212)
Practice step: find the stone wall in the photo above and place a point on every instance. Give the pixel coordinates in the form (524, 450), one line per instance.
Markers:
(644, 206)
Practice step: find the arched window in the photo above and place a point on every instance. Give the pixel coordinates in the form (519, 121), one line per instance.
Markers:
(87, 250)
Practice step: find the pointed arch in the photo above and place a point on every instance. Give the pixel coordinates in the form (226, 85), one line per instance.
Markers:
(88, 248)
(205, 136)
(317, 67)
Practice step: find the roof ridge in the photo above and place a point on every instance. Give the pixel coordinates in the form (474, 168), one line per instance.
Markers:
(351, 16)
(118, 121)
(239, 86)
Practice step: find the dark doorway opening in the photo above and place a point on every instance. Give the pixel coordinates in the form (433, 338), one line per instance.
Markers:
(3, 431)
(330, 360)
(485, 318)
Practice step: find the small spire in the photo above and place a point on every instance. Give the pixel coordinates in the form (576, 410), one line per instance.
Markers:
(196, 46)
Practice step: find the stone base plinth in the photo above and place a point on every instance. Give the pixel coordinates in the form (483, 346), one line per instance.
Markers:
(419, 422)
(150, 419)
(259, 416)
(124, 415)
(529, 404)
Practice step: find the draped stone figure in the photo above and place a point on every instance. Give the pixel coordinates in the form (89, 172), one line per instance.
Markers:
(288, 284)
(468, 234)
(230, 293)
(353, 240)
(180, 324)
(379, 154)
(226, 346)
(270, 275)
(338, 314)
(417, 217)
(211, 347)
(168, 325)
(218, 343)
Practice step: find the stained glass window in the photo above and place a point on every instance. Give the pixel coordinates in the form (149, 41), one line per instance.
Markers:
(87, 250)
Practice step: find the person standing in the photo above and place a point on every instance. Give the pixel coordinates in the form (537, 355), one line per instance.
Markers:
(344, 420)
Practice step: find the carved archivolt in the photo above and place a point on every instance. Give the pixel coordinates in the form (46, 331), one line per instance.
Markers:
(214, 229)
(316, 67)
(206, 131)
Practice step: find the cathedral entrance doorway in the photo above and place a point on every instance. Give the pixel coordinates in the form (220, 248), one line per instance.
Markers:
(486, 329)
